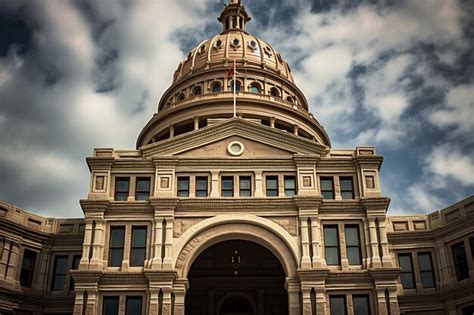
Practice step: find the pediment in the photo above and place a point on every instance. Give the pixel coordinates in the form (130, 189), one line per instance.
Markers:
(251, 148)
(212, 141)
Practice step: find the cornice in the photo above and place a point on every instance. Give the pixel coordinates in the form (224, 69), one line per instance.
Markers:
(375, 206)
(354, 277)
(94, 208)
(100, 163)
(120, 277)
(384, 274)
(232, 163)
(253, 204)
(312, 275)
(23, 232)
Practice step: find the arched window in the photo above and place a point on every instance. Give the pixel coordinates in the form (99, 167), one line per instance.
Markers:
(255, 88)
(216, 87)
(274, 92)
(197, 90)
(290, 99)
(238, 85)
(180, 97)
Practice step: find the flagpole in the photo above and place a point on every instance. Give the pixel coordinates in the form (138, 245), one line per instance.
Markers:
(235, 93)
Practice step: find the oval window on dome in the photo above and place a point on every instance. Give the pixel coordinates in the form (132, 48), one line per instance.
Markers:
(202, 49)
(253, 45)
(267, 50)
(218, 44)
(236, 42)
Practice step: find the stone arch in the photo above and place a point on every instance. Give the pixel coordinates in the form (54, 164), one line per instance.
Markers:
(229, 227)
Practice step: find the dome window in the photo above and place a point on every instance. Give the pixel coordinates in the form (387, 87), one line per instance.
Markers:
(236, 42)
(238, 85)
(197, 90)
(202, 49)
(274, 92)
(180, 97)
(218, 44)
(253, 45)
(290, 99)
(255, 88)
(268, 51)
(216, 87)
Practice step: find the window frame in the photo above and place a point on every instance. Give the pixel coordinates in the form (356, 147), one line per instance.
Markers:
(55, 274)
(224, 190)
(111, 248)
(30, 270)
(128, 298)
(412, 272)
(276, 190)
(286, 189)
(349, 299)
(116, 191)
(334, 296)
(132, 247)
(137, 191)
(196, 190)
(338, 246)
(352, 190)
(110, 297)
(456, 263)
(431, 271)
(358, 246)
(332, 191)
(178, 190)
(249, 190)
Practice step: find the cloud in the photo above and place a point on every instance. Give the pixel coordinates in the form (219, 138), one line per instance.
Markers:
(449, 162)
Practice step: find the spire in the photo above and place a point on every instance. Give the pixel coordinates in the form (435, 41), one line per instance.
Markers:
(234, 17)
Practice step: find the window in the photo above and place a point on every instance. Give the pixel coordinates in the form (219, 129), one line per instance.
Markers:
(76, 259)
(337, 304)
(181, 97)
(255, 88)
(406, 276)
(331, 245)
(237, 86)
(133, 305)
(117, 235)
(274, 92)
(327, 187)
(353, 244)
(227, 186)
(138, 247)
(142, 191)
(245, 186)
(426, 270)
(460, 261)
(121, 188)
(59, 273)
(27, 268)
(110, 305)
(197, 90)
(201, 186)
(216, 87)
(290, 186)
(272, 186)
(347, 188)
(183, 186)
(468, 310)
(361, 304)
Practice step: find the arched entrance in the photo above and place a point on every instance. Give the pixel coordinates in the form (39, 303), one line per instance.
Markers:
(236, 277)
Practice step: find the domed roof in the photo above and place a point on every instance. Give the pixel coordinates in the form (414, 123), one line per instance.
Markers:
(234, 43)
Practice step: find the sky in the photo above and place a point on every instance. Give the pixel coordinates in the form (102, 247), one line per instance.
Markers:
(395, 74)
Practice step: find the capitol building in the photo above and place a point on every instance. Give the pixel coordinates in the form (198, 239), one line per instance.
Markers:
(236, 208)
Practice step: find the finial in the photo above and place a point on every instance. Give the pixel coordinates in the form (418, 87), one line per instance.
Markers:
(234, 2)
(234, 17)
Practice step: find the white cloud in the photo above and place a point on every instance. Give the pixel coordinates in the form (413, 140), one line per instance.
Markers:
(459, 111)
(423, 200)
(449, 161)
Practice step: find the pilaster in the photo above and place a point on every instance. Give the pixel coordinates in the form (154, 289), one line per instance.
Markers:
(293, 289)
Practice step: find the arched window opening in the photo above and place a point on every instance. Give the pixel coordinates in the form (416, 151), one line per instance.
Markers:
(185, 127)
(274, 92)
(216, 87)
(238, 85)
(234, 22)
(255, 88)
(290, 99)
(227, 23)
(180, 97)
(197, 90)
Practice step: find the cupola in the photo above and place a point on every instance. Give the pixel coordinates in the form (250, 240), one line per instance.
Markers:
(234, 17)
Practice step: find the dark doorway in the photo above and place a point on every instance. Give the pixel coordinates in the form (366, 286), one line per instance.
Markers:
(236, 278)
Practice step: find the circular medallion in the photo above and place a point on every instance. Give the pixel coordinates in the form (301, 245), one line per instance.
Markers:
(235, 148)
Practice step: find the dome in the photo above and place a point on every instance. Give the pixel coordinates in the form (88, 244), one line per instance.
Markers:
(202, 91)
(221, 50)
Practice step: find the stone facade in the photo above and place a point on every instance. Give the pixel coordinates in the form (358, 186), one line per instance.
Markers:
(200, 177)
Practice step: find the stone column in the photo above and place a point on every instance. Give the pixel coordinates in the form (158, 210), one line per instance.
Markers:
(321, 304)
(368, 247)
(154, 295)
(4, 261)
(157, 243)
(168, 241)
(92, 302)
(166, 307)
(78, 302)
(316, 243)
(196, 123)
(179, 290)
(172, 131)
(293, 289)
(98, 245)
(86, 245)
(380, 300)
(393, 300)
(374, 244)
(306, 307)
(443, 265)
(259, 184)
(214, 184)
(386, 259)
(305, 259)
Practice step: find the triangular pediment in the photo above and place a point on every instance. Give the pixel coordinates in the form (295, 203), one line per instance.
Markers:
(258, 140)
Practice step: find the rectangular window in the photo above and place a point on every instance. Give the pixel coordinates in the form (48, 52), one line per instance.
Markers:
(76, 259)
(353, 244)
(426, 270)
(142, 190)
(347, 187)
(59, 273)
(327, 187)
(27, 268)
(361, 304)
(227, 186)
(122, 185)
(331, 244)
(183, 186)
(337, 304)
(290, 186)
(110, 305)
(272, 186)
(406, 276)
(117, 235)
(460, 261)
(201, 186)
(138, 247)
(245, 186)
(134, 305)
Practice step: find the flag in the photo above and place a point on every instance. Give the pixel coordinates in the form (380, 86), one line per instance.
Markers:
(231, 70)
